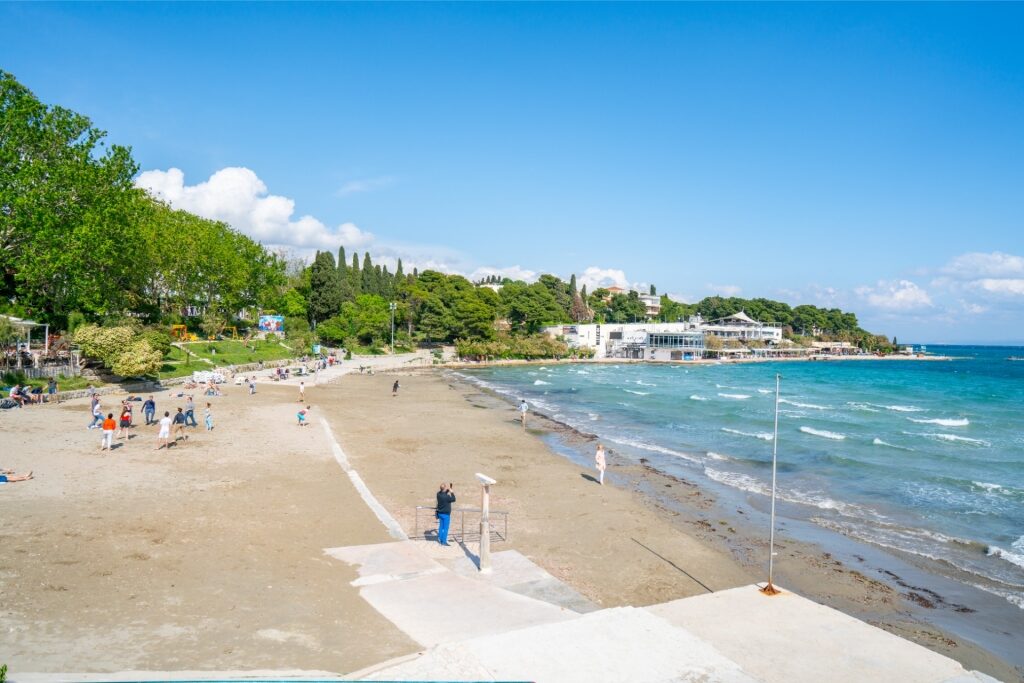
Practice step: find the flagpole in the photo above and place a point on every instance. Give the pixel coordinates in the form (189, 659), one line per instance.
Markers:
(770, 588)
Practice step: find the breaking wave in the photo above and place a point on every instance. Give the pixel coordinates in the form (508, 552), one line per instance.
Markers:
(738, 397)
(825, 434)
(944, 422)
(766, 436)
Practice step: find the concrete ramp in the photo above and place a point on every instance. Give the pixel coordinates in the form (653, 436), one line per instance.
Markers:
(434, 605)
(787, 638)
(613, 645)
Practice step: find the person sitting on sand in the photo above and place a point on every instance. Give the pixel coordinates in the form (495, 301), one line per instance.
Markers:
(16, 396)
(8, 476)
(302, 415)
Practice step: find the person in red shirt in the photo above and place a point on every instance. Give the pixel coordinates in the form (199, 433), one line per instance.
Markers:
(126, 420)
(108, 432)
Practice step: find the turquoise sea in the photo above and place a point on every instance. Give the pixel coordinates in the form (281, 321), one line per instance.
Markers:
(925, 458)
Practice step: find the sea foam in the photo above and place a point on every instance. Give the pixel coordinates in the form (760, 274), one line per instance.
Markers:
(804, 405)
(738, 397)
(766, 436)
(879, 442)
(695, 397)
(944, 422)
(953, 438)
(825, 434)
(638, 393)
(539, 382)
(1009, 556)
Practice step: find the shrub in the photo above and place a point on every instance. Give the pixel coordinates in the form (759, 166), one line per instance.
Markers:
(271, 337)
(138, 359)
(158, 340)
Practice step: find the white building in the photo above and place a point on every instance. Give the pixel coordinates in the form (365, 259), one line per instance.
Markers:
(742, 327)
(653, 304)
(684, 340)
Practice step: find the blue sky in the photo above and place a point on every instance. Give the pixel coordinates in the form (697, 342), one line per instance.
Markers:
(869, 156)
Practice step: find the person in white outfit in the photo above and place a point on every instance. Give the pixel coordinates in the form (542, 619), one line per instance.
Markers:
(600, 463)
(164, 437)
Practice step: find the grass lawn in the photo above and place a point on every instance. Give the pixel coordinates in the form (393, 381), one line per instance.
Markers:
(63, 383)
(220, 353)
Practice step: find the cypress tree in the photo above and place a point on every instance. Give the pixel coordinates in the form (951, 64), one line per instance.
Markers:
(572, 284)
(398, 270)
(368, 279)
(354, 278)
(342, 261)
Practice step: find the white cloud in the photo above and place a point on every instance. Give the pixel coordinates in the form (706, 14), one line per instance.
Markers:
(895, 295)
(680, 298)
(511, 272)
(725, 290)
(361, 185)
(594, 277)
(976, 265)
(239, 198)
(1002, 286)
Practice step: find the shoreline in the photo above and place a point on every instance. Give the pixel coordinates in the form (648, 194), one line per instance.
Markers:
(464, 365)
(893, 601)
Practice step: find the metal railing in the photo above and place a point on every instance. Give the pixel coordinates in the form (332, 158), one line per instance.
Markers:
(460, 529)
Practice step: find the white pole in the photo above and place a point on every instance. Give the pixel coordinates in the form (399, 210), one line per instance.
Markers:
(770, 588)
(392, 307)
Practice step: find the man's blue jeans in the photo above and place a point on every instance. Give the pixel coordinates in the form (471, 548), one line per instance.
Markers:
(442, 528)
(190, 418)
(149, 416)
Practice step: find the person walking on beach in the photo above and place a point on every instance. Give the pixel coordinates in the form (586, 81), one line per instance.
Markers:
(149, 410)
(600, 463)
(208, 417)
(108, 433)
(163, 438)
(97, 415)
(394, 388)
(523, 409)
(190, 412)
(252, 386)
(302, 392)
(445, 498)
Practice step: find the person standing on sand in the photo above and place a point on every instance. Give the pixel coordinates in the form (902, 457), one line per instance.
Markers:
(523, 409)
(190, 412)
(164, 437)
(394, 388)
(149, 410)
(108, 433)
(252, 386)
(179, 425)
(51, 390)
(208, 417)
(302, 392)
(600, 463)
(445, 498)
(126, 420)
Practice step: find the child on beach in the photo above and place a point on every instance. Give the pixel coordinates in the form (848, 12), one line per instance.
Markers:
(302, 392)
(51, 390)
(108, 432)
(394, 388)
(208, 417)
(302, 415)
(523, 409)
(600, 463)
(252, 386)
(164, 437)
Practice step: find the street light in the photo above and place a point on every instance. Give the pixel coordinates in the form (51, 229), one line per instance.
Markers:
(392, 306)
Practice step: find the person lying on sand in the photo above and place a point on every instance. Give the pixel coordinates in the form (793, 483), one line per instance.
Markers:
(8, 476)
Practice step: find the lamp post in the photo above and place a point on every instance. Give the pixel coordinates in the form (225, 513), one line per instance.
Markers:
(485, 522)
(770, 589)
(392, 306)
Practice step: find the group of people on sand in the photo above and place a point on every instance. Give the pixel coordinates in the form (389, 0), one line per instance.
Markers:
(111, 428)
(24, 395)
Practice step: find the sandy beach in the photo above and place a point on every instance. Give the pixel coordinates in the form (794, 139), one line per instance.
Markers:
(211, 556)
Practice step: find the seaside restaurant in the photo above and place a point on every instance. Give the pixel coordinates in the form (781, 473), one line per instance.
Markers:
(687, 345)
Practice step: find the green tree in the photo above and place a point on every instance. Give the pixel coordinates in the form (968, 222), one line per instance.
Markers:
(325, 288)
